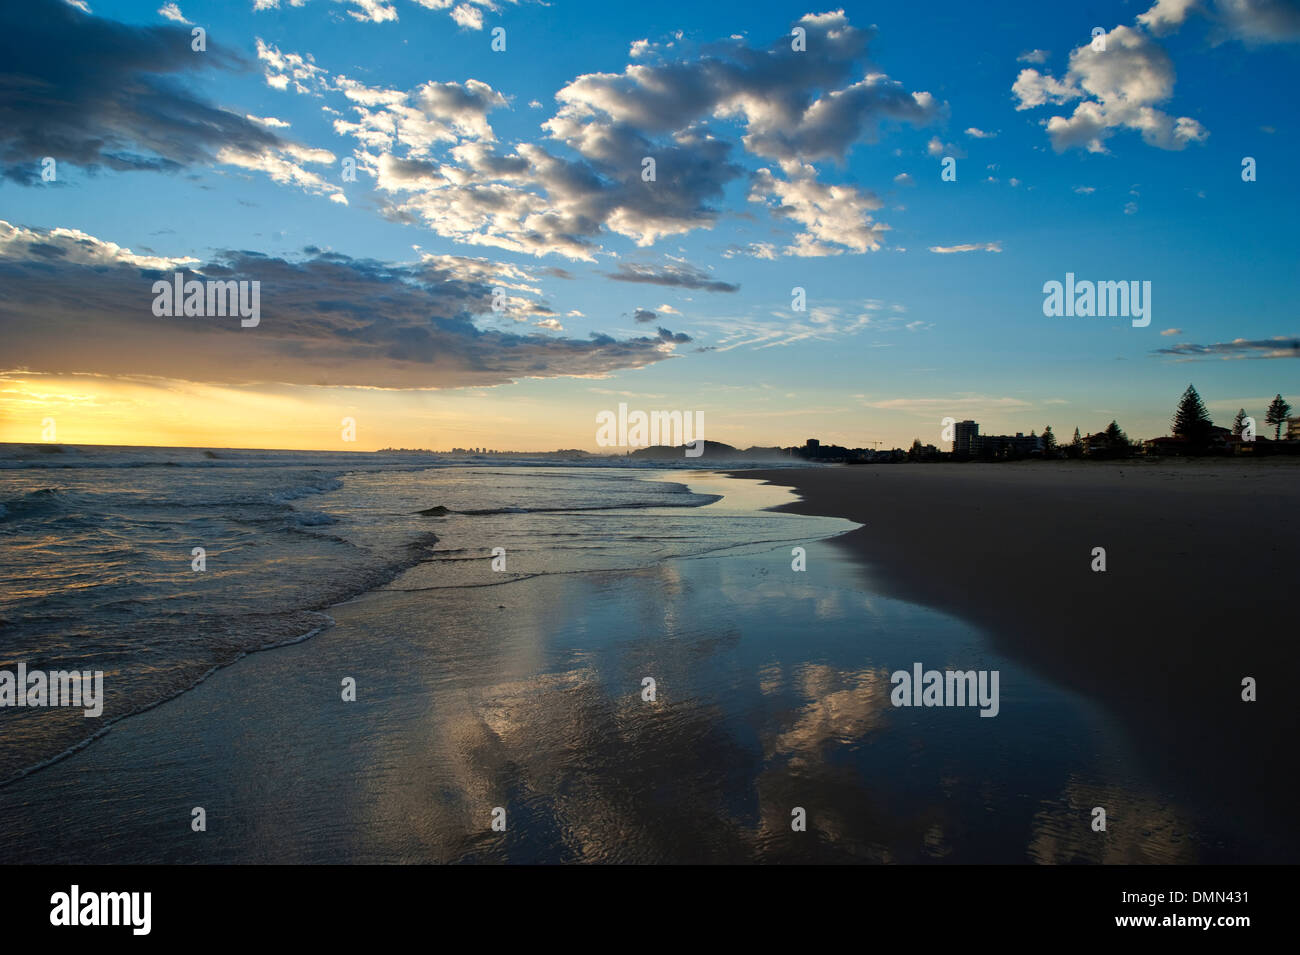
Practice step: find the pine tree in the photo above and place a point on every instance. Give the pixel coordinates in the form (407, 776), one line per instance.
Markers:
(1277, 413)
(1239, 423)
(1116, 437)
(1049, 441)
(1191, 420)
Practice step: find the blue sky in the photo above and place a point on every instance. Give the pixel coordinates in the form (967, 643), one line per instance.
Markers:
(529, 177)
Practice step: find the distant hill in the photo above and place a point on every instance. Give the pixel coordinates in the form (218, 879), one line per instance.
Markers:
(714, 450)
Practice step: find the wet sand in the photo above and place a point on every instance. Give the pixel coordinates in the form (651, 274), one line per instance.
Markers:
(773, 692)
(1199, 591)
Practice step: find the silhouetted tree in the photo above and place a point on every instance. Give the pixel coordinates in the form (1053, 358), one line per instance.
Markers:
(1049, 441)
(1191, 420)
(1239, 423)
(1075, 448)
(1277, 413)
(1116, 437)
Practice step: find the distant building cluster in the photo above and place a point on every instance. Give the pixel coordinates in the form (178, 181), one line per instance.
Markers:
(969, 443)
(1194, 435)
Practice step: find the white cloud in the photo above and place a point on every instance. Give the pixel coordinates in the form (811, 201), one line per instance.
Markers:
(283, 166)
(937, 147)
(281, 69)
(467, 14)
(1118, 88)
(975, 133)
(268, 121)
(965, 404)
(834, 218)
(79, 248)
(433, 154)
(469, 17)
(758, 250)
(1166, 14)
(819, 323)
(968, 247)
(172, 12)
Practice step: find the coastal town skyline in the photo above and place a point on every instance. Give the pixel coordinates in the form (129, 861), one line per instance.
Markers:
(658, 431)
(851, 225)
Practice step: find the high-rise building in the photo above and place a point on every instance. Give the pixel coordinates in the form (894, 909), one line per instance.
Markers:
(966, 438)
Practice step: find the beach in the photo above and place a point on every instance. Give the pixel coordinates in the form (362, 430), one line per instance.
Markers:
(445, 691)
(1198, 593)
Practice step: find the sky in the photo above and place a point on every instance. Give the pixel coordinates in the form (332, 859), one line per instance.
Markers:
(458, 245)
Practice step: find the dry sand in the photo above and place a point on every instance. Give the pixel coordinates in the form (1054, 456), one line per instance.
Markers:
(1202, 588)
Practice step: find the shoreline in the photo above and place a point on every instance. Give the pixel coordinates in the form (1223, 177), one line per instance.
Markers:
(445, 724)
(1196, 594)
(530, 697)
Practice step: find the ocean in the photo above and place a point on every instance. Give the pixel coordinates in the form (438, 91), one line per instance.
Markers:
(97, 550)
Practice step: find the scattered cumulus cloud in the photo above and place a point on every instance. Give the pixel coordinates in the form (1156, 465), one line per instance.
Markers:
(678, 275)
(172, 12)
(1281, 346)
(968, 247)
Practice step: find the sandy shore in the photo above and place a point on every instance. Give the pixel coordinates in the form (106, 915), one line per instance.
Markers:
(1199, 591)
(773, 692)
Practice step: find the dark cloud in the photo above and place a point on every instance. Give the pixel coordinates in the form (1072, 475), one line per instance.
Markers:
(678, 276)
(1280, 347)
(644, 315)
(76, 304)
(99, 94)
(679, 338)
(1262, 21)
